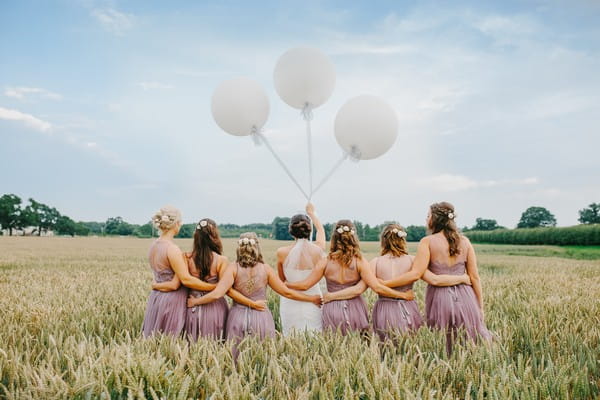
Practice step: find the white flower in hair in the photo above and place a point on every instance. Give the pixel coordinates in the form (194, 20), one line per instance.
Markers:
(203, 223)
(352, 231)
(340, 230)
(164, 218)
(244, 241)
(198, 227)
(401, 234)
(395, 230)
(252, 242)
(451, 215)
(346, 228)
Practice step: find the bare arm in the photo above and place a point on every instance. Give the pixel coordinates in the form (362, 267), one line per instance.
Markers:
(234, 294)
(280, 260)
(418, 267)
(167, 286)
(473, 273)
(320, 239)
(283, 290)
(225, 282)
(367, 275)
(347, 293)
(312, 279)
(176, 259)
(445, 280)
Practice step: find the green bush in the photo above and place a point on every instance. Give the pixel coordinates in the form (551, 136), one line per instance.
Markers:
(580, 235)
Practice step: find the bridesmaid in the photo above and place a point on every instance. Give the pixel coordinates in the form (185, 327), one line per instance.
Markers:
(294, 263)
(165, 311)
(344, 268)
(250, 276)
(206, 262)
(451, 308)
(389, 314)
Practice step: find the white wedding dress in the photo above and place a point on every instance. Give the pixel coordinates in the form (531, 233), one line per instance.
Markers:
(299, 315)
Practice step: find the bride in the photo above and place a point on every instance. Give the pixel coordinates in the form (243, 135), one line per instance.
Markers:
(294, 263)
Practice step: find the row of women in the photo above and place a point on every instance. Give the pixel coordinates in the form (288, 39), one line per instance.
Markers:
(189, 288)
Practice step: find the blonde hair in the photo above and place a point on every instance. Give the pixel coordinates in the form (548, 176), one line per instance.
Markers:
(391, 242)
(166, 218)
(248, 254)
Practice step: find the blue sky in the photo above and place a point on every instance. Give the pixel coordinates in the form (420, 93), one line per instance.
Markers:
(105, 107)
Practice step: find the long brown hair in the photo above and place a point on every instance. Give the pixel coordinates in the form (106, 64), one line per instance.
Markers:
(442, 219)
(344, 243)
(206, 241)
(393, 240)
(248, 252)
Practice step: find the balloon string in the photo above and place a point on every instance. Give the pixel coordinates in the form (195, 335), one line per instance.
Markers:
(330, 173)
(308, 115)
(264, 140)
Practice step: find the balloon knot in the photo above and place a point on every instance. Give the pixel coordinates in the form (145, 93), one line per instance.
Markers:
(307, 112)
(354, 154)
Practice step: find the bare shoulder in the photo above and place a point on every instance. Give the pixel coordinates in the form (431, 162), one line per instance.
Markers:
(223, 259)
(282, 252)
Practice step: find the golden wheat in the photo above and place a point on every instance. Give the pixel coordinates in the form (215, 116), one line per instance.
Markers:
(71, 312)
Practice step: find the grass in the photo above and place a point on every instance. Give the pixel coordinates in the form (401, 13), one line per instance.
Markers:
(72, 311)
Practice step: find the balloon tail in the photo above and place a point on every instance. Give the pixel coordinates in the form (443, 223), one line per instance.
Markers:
(307, 114)
(259, 137)
(331, 172)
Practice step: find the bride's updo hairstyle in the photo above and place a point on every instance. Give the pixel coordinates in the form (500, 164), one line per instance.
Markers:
(393, 240)
(442, 220)
(166, 218)
(300, 226)
(344, 243)
(248, 251)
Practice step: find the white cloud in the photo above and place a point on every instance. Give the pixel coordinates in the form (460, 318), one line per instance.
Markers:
(27, 119)
(22, 92)
(155, 85)
(455, 183)
(113, 21)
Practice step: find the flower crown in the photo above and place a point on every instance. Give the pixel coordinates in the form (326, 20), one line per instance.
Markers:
(400, 233)
(161, 218)
(246, 241)
(202, 224)
(344, 228)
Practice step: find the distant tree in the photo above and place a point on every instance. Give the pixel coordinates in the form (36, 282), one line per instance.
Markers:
(281, 228)
(414, 233)
(482, 224)
(536, 217)
(186, 231)
(590, 214)
(10, 212)
(40, 215)
(117, 226)
(146, 230)
(360, 230)
(328, 230)
(95, 228)
(65, 226)
(81, 229)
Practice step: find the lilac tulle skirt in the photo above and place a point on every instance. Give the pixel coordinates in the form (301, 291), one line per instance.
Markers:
(395, 315)
(207, 320)
(165, 312)
(346, 315)
(455, 308)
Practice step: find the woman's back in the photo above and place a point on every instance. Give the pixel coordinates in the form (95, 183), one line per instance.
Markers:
(213, 274)
(440, 261)
(159, 261)
(252, 281)
(339, 276)
(388, 267)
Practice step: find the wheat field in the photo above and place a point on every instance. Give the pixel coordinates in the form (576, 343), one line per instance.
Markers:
(71, 312)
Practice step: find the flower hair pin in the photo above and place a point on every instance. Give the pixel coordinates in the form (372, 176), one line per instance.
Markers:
(401, 234)
(202, 224)
(247, 241)
(344, 228)
(451, 215)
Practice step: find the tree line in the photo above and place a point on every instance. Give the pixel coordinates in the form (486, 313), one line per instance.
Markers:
(16, 216)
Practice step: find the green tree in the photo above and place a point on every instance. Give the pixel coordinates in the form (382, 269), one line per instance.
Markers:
(482, 224)
(117, 226)
(40, 215)
(186, 231)
(536, 217)
(281, 228)
(65, 226)
(590, 214)
(414, 233)
(10, 212)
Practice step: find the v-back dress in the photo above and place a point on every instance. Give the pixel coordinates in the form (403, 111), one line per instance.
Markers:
(391, 314)
(206, 320)
(165, 311)
(345, 315)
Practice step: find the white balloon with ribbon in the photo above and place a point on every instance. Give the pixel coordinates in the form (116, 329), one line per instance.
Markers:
(240, 106)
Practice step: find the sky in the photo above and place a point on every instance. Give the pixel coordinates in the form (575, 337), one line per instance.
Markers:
(105, 107)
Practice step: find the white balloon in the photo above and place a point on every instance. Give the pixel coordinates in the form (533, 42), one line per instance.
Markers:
(240, 106)
(366, 127)
(304, 75)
